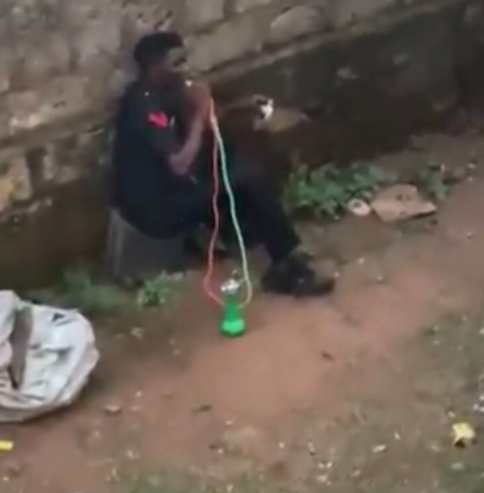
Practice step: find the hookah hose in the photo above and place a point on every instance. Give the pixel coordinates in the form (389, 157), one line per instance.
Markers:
(220, 163)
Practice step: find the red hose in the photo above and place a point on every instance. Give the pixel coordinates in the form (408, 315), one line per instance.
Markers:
(207, 280)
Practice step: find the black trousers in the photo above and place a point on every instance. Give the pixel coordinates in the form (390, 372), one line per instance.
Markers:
(257, 205)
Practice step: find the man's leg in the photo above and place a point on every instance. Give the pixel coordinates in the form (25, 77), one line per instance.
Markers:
(258, 202)
(259, 205)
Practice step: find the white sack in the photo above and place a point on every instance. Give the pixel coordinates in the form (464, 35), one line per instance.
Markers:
(60, 356)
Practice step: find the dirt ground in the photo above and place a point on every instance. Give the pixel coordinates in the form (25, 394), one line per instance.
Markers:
(354, 393)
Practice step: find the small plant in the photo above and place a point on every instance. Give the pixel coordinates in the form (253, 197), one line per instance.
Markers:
(432, 180)
(326, 191)
(78, 290)
(159, 291)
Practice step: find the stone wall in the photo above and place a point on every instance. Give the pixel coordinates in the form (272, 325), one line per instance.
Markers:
(65, 58)
(368, 73)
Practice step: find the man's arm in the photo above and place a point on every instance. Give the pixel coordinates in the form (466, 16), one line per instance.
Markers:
(182, 160)
(153, 122)
(197, 105)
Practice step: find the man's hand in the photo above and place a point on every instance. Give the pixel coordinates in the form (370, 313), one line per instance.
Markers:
(200, 97)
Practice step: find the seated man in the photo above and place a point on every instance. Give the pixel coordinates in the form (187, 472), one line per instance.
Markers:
(163, 152)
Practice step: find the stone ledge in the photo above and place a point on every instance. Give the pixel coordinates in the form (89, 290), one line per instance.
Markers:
(31, 171)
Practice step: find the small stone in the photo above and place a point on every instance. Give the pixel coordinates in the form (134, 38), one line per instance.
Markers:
(204, 408)
(113, 409)
(327, 356)
(323, 479)
(458, 467)
(138, 333)
(379, 449)
(463, 435)
(435, 449)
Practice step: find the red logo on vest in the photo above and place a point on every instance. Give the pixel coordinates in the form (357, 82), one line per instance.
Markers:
(159, 120)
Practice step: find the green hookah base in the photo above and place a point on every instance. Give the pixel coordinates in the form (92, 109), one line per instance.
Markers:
(232, 328)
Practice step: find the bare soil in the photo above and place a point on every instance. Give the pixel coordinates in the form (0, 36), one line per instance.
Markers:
(354, 393)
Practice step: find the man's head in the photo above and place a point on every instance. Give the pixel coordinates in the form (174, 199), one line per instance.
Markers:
(161, 57)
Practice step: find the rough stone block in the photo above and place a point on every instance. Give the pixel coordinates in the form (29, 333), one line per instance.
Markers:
(243, 5)
(132, 255)
(367, 90)
(15, 185)
(470, 54)
(227, 42)
(5, 70)
(199, 13)
(40, 239)
(297, 21)
(93, 148)
(67, 158)
(144, 16)
(58, 99)
(347, 12)
(38, 58)
(40, 162)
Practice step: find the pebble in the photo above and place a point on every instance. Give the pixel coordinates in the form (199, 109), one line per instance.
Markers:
(311, 449)
(379, 449)
(323, 479)
(113, 409)
(138, 333)
(458, 467)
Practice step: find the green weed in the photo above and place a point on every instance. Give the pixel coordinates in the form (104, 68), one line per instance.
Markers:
(326, 191)
(431, 179)
(78, 290)
(160, 291)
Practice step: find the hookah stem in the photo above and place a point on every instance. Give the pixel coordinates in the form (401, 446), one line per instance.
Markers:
(233, 208)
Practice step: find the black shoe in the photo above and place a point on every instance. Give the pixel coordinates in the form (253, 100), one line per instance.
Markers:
(294, 277)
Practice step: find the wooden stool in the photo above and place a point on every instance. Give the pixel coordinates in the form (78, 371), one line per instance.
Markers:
(132, 255)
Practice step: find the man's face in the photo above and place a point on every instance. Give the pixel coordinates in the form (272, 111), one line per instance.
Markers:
(175, 66)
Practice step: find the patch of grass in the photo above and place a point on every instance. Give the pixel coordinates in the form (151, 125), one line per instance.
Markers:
(160, 291)
(78, 290)
(326, 191)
